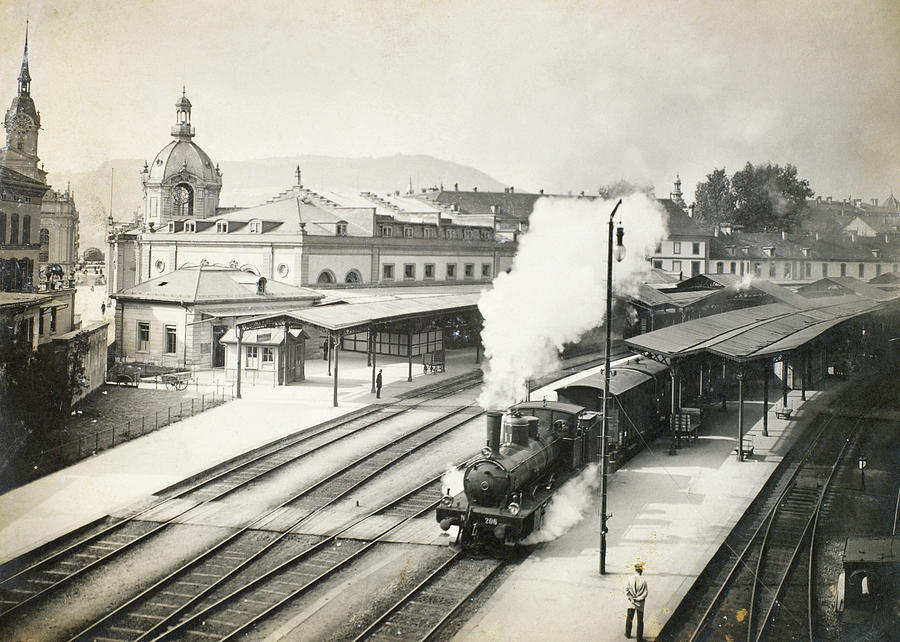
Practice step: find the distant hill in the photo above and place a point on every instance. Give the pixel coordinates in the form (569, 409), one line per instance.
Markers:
(246, 183)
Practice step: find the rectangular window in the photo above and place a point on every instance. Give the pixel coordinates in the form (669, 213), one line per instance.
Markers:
(676, 247)
(676, 266)
(341, 229)
(772, 270)
(733, 267)
(255, 227)
(52, 319)
(2, 227)
(862, 270)
(268, 356)
(695, 248)
(408, 232)
(757, 269)
(807, 269)
(657, 263)
(469, 270)
(787, 270)
(143, 338)
(878, 269)
(222, 227)
(720, 267)
(409, 271)
(467, 234)
(386, 230)
(485, 270)
(429, 270)
(430, 233)
(387, 271)
(26, 230)
(252, 357)
(843, 269)
(824, 269)
(170, 339)
(451, 270)
(695, 268)
(486, 235)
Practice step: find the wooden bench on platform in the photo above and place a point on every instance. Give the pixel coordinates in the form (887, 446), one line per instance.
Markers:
(784, 413)
(687, 424)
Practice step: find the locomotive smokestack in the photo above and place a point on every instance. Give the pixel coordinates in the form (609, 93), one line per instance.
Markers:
(494, 421)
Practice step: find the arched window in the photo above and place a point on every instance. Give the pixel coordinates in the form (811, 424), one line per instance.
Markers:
(14, 229)
(326, 277)
(45, 245)
(26, 229)
(353, 277)
(182, 200)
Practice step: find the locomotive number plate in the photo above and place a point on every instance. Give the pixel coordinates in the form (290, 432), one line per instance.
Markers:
(491, 521)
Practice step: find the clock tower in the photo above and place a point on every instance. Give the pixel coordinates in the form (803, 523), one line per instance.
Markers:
(22, 123)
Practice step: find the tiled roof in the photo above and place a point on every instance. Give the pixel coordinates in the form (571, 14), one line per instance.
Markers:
(680, 224)
(213, 284)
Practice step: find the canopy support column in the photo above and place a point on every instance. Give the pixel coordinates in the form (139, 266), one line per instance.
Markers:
(740, 379)
(284, 356)
(373, 337)
(700, 390)
(334, 350)
(724, 385)
(409, 336)
(240, 337)
(766, 366)
(330, 351)
(673, 374)
(784, 381)
(803, 374)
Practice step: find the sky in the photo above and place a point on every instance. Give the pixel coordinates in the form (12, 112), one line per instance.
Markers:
(564, 96)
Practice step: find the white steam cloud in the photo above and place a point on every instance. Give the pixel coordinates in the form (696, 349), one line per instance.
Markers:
(452, 480)
(556, 290)
(568, 506)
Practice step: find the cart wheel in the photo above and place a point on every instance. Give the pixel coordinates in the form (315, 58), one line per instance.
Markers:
(181, 384)
(171, 384)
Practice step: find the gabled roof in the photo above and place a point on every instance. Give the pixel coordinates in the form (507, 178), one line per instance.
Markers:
(680, 224)
(841, 285)
(213, 284)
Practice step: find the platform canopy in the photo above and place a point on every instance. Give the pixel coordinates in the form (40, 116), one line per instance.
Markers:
(756, 332)
(355, 317)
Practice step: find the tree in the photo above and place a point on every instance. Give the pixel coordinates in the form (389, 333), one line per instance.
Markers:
(714, 200)
(769, 197)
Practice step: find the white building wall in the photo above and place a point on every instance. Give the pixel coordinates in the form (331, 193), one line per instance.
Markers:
(159, 316)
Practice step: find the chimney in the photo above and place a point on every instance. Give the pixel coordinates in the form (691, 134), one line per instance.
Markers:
(542, 190)
(875, 202)
(261, 285)
(506, 190)
(582, 194)
(494, 421)
(828, 200)
(474, 189)
(818, 200)
(455, 187)
(512, 189)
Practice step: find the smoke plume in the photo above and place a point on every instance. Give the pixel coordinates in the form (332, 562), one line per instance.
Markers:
(452, 480)
(568, 506)
(556, 290)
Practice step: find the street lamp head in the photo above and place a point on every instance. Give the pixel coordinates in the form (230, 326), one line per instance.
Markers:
(620, 249)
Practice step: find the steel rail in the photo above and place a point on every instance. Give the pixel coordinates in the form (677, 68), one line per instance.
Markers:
(431, 578)
(739, 562)
(277, 449)
(221, 544)
(854, 432)
(180, 626)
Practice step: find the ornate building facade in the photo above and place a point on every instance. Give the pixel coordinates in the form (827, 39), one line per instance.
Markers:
(22, 185)
(47, 233)
(301, 237)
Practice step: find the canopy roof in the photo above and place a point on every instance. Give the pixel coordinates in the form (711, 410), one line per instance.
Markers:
(344, 317)
(761, 331)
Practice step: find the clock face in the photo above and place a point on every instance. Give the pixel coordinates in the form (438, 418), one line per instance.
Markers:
(20, 124)
(181, 196)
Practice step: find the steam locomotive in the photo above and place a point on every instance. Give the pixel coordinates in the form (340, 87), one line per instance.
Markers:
(536, 446)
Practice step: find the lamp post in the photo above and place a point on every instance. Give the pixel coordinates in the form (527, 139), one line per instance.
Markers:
(620, 254)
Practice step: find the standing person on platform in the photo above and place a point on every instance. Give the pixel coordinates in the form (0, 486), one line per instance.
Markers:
(378, 385)
(636, 591)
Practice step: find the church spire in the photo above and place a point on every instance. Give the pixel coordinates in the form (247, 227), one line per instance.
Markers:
(24, 76)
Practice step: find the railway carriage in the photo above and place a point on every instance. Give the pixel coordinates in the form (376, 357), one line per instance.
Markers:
(639, 408)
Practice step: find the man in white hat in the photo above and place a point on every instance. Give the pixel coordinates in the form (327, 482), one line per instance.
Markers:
(636, 591)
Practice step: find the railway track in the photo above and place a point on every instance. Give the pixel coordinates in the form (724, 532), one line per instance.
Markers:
(424, 610)
(746, 600)
(28, 584)
(198, 578)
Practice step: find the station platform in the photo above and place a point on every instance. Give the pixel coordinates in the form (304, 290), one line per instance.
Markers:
(112, 480)
(671, 512)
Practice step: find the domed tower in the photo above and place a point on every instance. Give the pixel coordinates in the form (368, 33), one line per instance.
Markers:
(22, 123)
(181, 182)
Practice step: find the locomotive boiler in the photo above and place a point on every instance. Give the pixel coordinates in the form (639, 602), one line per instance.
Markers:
(530, 450)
